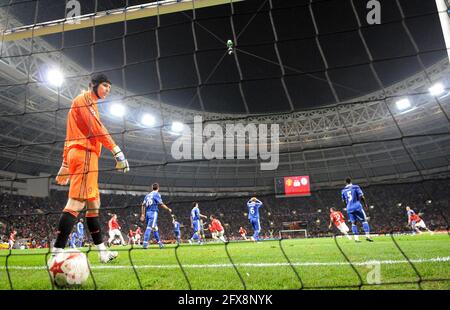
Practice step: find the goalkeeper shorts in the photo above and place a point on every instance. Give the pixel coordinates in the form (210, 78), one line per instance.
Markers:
(83, 169)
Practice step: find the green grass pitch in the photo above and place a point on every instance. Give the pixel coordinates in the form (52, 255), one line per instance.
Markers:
(275, 265)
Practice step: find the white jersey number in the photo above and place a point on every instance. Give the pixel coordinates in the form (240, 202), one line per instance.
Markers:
(349, 196)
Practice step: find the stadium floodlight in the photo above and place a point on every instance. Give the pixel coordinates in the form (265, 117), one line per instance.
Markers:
(117, 110)
(177, 127)
(403, 104)
(148, 120)
(55, 77)
(437, 89)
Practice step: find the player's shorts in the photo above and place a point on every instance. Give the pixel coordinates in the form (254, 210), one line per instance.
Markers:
(151, 218)
(114, 232)
(137, 237)
(11, 244)
(357, 215)
(255, 224)
(83, 169)
(420, 224)
(196, 224)
(177, 233)
(343, 228)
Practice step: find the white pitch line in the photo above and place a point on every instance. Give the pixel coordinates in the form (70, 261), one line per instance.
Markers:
(173, 266)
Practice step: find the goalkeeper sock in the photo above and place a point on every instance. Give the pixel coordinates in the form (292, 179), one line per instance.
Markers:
(93, 225)
(65, 226)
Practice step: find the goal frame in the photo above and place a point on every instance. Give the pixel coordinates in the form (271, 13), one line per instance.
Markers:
(293, 230)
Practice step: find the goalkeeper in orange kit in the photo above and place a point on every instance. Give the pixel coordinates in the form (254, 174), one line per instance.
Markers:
(84, 139)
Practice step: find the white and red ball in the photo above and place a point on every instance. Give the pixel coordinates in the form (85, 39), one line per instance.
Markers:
(69, 268)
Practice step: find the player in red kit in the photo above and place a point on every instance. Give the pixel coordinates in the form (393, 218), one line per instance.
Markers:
(114, 230)
(212, 230)
(218, 228)
(12, 239)
(243, 233)
(415, 221)
(338, 219)
(130, 236)
(137, 235)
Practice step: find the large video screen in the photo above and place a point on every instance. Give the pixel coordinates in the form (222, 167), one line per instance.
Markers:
(292, 186)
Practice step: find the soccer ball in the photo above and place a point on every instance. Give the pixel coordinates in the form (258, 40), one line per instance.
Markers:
(69, 268)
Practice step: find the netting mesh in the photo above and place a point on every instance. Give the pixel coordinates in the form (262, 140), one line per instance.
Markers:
(332, 83)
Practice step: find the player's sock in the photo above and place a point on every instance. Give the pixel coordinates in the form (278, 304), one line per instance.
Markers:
(348, 236)
(101, 247)
(156, 234)
(66, 223)
(146, 236)
(366, 228)
(355, 232)
(93, 225)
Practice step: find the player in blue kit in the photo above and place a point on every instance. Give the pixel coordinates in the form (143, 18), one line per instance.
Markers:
(149, 212)
(80, 233)
(196, 223)
(353, 198)
(253, 206)
(176, 230)
(73, 240)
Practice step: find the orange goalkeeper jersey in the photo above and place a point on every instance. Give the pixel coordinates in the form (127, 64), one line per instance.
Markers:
(84, 128)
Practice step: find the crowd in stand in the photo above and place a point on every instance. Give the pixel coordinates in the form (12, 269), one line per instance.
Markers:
(35, 219)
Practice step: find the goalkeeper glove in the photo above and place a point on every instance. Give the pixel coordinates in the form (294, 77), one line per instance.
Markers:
(121, 162)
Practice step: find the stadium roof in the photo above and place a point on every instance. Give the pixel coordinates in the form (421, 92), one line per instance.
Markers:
(315, 67)
(291, 55)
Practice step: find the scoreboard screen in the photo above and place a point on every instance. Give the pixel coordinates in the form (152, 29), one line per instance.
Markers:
(292, 186)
